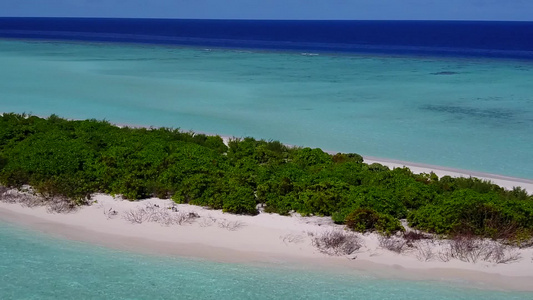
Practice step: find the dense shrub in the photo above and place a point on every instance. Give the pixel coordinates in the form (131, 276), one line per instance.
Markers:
(306, 157)
(72, 159)
(240, 200)
(347, 157)
(470, 212)
(366, 219)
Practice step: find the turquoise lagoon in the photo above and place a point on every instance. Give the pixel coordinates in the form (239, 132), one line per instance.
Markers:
(474, 114)
(34, 266)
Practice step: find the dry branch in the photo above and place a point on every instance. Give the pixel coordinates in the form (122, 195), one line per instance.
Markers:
(470, 249)
(424, 250)
(393, 243)
(336, 242)
(155, 214)
(292, 238)
(230, 225)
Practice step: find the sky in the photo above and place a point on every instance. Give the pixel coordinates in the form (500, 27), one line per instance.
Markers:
(493, 10)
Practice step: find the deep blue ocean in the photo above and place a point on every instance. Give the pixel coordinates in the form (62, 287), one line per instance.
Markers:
(436, 38)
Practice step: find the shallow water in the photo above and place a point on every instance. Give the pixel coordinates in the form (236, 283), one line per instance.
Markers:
(34, 266)
(474, 114)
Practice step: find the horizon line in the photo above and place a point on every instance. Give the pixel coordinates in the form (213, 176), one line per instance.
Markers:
(267, 19)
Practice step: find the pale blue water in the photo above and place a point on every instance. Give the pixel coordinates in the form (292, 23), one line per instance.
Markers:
(33, 266)
(478, 117)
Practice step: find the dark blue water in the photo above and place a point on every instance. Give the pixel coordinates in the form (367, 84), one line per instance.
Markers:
(438, 38)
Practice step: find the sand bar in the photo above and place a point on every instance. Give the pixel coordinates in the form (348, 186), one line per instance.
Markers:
(265, 240)
(270, 239)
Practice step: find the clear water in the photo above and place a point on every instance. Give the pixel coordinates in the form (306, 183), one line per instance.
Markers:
(474, 114)
(33, 266)
(480, 118)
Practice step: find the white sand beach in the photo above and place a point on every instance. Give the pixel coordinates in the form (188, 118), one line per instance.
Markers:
(506, 182)
(265, 239)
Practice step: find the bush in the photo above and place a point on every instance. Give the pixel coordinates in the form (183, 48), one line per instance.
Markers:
(240, 200)
(347, 157)
(365, 219)
(466, 212)
(380, 199)
(3, 162)
(307, 157)
(376, 167)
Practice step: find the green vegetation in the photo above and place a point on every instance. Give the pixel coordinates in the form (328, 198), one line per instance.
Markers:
(78, 158)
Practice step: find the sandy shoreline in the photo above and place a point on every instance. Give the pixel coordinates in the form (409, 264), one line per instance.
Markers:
(507, 182)
(264, 240)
